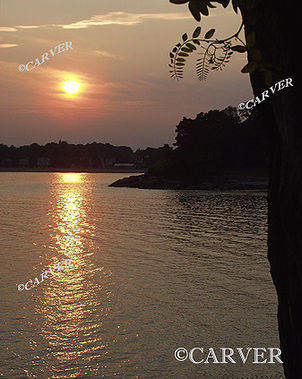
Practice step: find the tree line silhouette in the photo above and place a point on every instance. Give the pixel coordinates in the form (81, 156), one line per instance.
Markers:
(215, 143)
(63, 155)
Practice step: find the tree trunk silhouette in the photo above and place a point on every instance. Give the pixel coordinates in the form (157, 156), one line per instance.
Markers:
(274, 29)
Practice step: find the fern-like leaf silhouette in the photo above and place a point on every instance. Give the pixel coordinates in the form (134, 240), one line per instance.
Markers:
(215, 53)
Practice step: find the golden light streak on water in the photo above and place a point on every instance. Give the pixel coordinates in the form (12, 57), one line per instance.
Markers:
(69, 308)
(71, 177)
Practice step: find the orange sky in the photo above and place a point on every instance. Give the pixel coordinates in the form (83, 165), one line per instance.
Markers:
(119, 57)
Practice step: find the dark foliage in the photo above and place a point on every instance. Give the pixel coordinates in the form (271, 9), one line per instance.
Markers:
(216, 143)
(63, 155)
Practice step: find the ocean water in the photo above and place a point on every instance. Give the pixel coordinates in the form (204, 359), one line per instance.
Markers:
(152, 270)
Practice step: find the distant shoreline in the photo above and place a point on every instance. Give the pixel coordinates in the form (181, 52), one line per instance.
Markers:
(223, 182)
(77, 170)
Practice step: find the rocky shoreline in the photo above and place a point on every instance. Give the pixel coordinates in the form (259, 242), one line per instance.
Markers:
(208, 183)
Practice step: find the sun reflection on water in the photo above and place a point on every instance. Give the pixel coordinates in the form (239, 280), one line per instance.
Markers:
(74, 300)
(71, 177)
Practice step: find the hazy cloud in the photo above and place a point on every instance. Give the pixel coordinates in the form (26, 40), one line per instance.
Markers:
(123, 18)
(6, 45)
(7, 29)
(28, 26)
(110, 18)
(106, 54)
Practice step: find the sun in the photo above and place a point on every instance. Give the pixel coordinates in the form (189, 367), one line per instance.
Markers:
(71, 87)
